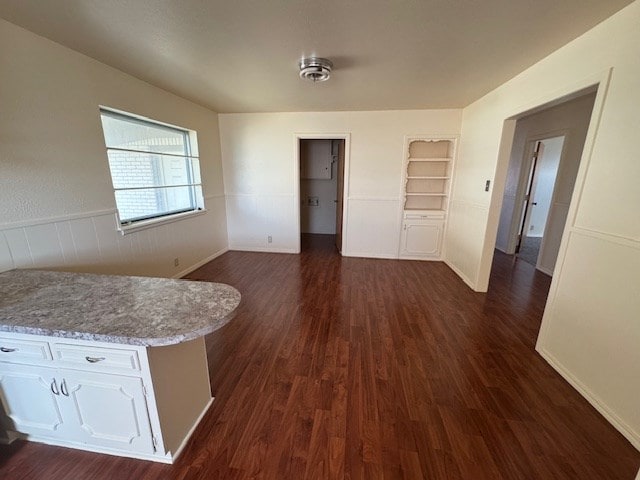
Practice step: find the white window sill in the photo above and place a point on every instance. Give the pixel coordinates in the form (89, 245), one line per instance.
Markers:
(155, 222)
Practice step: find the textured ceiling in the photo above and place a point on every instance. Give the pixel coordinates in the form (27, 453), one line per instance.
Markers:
(241, 55)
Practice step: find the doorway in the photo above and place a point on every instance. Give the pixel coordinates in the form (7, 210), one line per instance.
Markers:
(543, 167)
(544, 157)
(321, 164)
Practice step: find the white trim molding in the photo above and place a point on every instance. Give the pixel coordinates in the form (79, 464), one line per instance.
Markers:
(60, 218)
(593, 399)
(197, 265)
(345, 190)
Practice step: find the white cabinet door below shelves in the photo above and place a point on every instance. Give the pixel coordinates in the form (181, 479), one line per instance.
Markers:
(421, 239)
(29, 405)
(111, 410)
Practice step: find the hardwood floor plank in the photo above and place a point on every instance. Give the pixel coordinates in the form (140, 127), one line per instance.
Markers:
(349, 368)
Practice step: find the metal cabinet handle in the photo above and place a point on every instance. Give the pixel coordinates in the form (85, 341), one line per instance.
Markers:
(94, 359)
(63, 388)
(54, 387)
(7, 350)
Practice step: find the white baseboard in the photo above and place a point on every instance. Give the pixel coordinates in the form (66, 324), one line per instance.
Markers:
(200, 263)
(8, 438)
(178, 451)
(545, 270)
(89, 448)
(384, 256)
(241, 248)
(420, 258)
(592, 398)
(464, 278)
(170, 457)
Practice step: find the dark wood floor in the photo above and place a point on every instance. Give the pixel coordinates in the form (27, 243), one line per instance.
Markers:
(362, 369)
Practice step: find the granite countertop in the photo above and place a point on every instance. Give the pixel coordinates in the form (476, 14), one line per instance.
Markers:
(116, 309)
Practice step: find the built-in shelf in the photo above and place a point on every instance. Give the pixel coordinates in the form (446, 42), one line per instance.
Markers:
(427, 176)
(428, 168)
(429, 159)
(426, 212)
(414, 177)
(409, 194)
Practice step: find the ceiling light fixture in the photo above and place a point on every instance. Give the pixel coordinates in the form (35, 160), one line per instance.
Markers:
(315, 69)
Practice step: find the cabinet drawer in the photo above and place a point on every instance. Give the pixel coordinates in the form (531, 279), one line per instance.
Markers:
(96, 358)
(23, 351)
(424, 216)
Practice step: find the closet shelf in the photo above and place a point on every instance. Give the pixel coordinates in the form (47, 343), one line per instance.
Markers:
(425, 210)
(423, 177)
(429, 159)
(428, 170)
(416, 194)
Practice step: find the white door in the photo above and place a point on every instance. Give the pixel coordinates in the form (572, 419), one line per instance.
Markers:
(30, 400)
(110, 410)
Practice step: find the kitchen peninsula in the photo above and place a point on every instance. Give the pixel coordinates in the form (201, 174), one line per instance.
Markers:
(110, 364)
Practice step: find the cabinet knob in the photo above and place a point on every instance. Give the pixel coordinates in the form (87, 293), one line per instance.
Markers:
(54, 387)
(7, 350)
(94, 359)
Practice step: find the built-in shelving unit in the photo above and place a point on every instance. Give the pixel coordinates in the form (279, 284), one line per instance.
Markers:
(427, 174)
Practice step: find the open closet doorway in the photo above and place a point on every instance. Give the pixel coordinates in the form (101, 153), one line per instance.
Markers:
(321, 192)
(544, 161)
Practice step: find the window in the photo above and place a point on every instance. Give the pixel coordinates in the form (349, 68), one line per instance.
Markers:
(154, 168)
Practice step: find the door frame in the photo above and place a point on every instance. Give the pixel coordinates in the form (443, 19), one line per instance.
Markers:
(524, 170)
(598, 83)
(345, 191)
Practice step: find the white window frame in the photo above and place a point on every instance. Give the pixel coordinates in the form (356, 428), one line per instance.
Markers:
(142, 223)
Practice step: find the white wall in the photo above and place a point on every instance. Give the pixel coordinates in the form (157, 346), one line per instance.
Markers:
(590, 330)
(319, 218)
(258, 154)
(56, 199)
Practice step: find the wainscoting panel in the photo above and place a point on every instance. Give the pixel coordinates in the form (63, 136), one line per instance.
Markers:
(91, 243)
(6, 262)
(467, 223)
(253, 218)
(374, 227)
(589, 329)
(503, 238)
(18, 248)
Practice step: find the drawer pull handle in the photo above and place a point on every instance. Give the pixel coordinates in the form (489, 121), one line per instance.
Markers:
(63, 388)
(94, 359)
(54, 387)
(7, 350)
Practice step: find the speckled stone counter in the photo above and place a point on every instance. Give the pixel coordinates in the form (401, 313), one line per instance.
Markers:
(117, 309)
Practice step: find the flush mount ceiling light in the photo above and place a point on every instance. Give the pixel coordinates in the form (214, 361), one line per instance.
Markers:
(315, 69)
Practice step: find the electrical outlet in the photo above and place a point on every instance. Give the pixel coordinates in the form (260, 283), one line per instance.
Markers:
(269, 239)
(176, 262)
(531, 227)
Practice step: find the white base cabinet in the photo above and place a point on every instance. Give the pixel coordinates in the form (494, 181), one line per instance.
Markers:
(427, 176)
(29, 403)
(88, 396)
(421, 237)
(109, 398)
